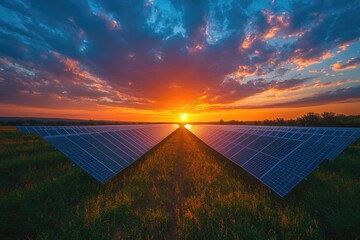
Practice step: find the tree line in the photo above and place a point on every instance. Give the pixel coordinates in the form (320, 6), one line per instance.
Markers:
(311, 119)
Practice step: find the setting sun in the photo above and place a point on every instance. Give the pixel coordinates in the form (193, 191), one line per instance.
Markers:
(184, 116)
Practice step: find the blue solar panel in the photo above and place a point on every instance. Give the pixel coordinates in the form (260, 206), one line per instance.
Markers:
(103, 151)
(259, 164)
(244, 155)
(280, 157)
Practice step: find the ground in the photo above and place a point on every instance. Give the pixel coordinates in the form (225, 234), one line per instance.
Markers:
(181, 189)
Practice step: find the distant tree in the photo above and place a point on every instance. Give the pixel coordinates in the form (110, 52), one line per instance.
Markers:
(233, 122)
(221, 121)
(310, 119)
(342, 117)
(328, 119)
(328, 115)
(267, 122)
(257, 122)
(291, 122)
(280, 122)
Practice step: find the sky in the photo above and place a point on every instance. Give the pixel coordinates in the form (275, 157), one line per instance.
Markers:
(155, 60)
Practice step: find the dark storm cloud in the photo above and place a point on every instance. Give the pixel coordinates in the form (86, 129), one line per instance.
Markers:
(162, 54)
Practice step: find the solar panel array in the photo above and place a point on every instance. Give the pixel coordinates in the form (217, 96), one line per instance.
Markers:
(103, 151)
(280, 157)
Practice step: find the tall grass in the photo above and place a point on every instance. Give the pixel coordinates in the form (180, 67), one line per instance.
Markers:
(180, 189)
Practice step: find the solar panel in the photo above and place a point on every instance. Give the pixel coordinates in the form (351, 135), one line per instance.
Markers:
(103, 151)
(280, 157)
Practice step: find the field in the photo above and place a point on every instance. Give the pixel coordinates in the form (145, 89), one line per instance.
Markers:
(181, 189)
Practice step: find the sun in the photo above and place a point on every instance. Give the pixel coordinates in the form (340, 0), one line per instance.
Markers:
(184, 116)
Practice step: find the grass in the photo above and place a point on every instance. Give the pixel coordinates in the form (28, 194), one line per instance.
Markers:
(181, 189)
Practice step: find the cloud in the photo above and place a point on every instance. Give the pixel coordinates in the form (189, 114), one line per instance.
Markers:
(352, 63)
(324, 98)
(319, 84)
(231, 90)
(289, 84)
(324, 26)
(132, 54)
(340, 95)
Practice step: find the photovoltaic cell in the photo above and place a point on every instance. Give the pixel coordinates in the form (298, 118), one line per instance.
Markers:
(280, 157)
(103, 151)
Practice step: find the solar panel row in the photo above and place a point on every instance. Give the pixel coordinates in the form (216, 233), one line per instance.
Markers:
(280, 157)
(45, 131)
(103, 151)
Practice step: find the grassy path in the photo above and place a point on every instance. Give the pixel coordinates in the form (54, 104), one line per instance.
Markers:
(180, 190)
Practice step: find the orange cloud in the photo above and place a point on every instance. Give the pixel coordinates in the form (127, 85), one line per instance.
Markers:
(246, 71)
(344, 46)
(277, 23)
(198, 47)
(272, 32)
(83, 77)
(352, 63)
(305, 62)
(246, 44)
(319, 84)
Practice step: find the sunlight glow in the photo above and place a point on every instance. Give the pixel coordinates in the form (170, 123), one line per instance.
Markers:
(184, 116)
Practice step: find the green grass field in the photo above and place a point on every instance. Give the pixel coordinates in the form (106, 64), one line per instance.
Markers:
(181, 189)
